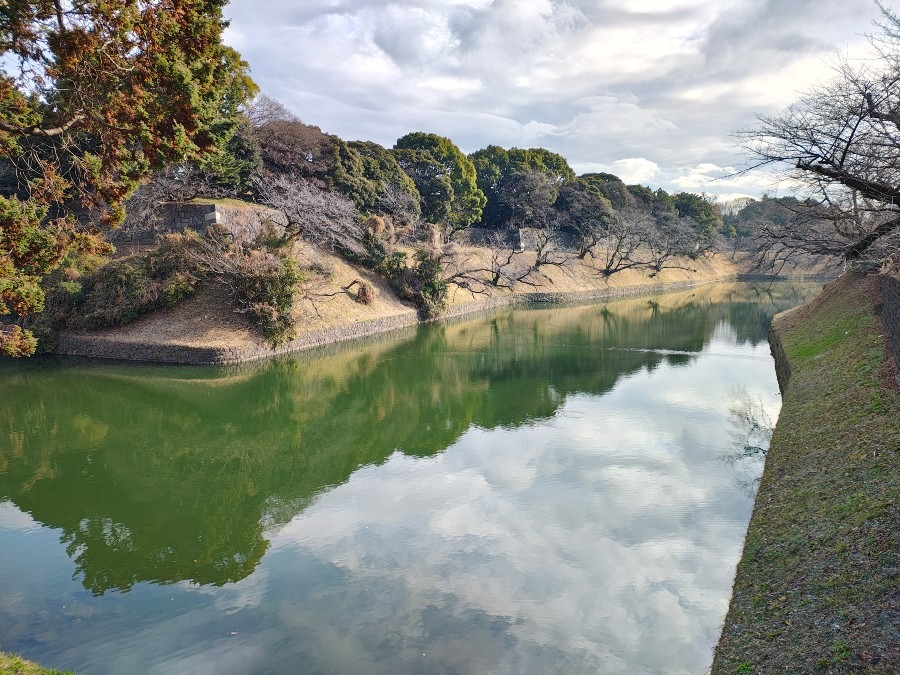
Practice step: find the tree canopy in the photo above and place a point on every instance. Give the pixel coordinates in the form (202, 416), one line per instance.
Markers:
(611, 187)
(466, 199)
(494, 166)
(93, 96)
(432, 181)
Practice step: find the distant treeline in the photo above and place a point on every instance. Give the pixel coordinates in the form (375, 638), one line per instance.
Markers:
(426, 178)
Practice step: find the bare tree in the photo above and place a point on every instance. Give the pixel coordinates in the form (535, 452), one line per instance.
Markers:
(505, 268)
(842, 142)
(808, 233)
(669, 244)
(325, 218)
(264, 110)
(621, 247)
(549, 245)
(402, 207)
(586, 213)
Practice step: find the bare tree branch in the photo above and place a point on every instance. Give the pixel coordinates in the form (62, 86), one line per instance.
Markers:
(326, 218)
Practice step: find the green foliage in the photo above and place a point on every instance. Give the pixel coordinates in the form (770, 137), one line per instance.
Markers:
(18, 342)
(348, 175)
(30, 247)
(267, 287)
(658, 202)
(361, 171)
(543, 161)
(380, 166)
(702, 211)
(234, 166)
(766, 212)
(26, 252)
(429, 283)
(73, 291)
(610, 187)
(15, 665)
(392, 265)
(466, 200)
(422, 283)
(526, 198)
(434, 185)
(494, 166)
(125, 88)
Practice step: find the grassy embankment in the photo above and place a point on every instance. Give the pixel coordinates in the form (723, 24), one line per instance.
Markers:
(817, 588)
(13, 665)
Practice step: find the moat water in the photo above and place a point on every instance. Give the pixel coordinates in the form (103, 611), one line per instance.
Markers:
(559, 490)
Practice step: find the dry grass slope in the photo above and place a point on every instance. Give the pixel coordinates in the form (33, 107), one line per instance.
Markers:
(817, 589)
(206, 321)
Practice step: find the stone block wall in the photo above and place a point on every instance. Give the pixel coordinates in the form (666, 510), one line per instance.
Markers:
(243, 223)
(890, 313)
(782, 364)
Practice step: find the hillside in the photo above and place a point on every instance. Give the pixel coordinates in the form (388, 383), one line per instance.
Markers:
(205, 329)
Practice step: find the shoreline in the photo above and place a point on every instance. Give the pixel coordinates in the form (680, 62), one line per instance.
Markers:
(815, 589)
(100, 346)
(205, 332)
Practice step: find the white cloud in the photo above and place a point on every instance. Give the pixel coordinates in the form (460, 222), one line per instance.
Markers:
(598, 82)
(14, 519)
(631, 170)
(658, 577)
(728, 181)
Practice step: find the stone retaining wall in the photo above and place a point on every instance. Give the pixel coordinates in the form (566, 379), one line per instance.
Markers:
(890, 313)
(243, 223)
(92, 346)
(782, 365)
(105, 347)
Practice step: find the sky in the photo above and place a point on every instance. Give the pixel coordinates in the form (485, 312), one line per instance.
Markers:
(650, 90)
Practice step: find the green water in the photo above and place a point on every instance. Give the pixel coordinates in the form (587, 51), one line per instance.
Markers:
(551, 490)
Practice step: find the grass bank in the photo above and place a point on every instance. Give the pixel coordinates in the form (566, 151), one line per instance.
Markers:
(817, 588)
(14, 665)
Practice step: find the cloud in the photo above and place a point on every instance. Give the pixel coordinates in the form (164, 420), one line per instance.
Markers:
(729, 181)
(631, 170)
(13, 519)
(599, 82)
(493, 543)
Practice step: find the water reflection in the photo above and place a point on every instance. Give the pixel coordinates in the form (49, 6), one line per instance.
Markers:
(408, 557)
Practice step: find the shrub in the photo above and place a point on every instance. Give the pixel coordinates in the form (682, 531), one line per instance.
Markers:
(392, 266)
(117, 294)
(123, 290)
(18, 343)
(177, 287)
(365, 294)
(431, 286)
(90, 292)
(265, 285)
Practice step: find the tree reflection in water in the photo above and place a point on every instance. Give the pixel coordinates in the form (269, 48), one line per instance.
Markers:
(176, 474)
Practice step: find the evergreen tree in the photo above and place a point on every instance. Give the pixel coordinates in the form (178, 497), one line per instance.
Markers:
(93, 96)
